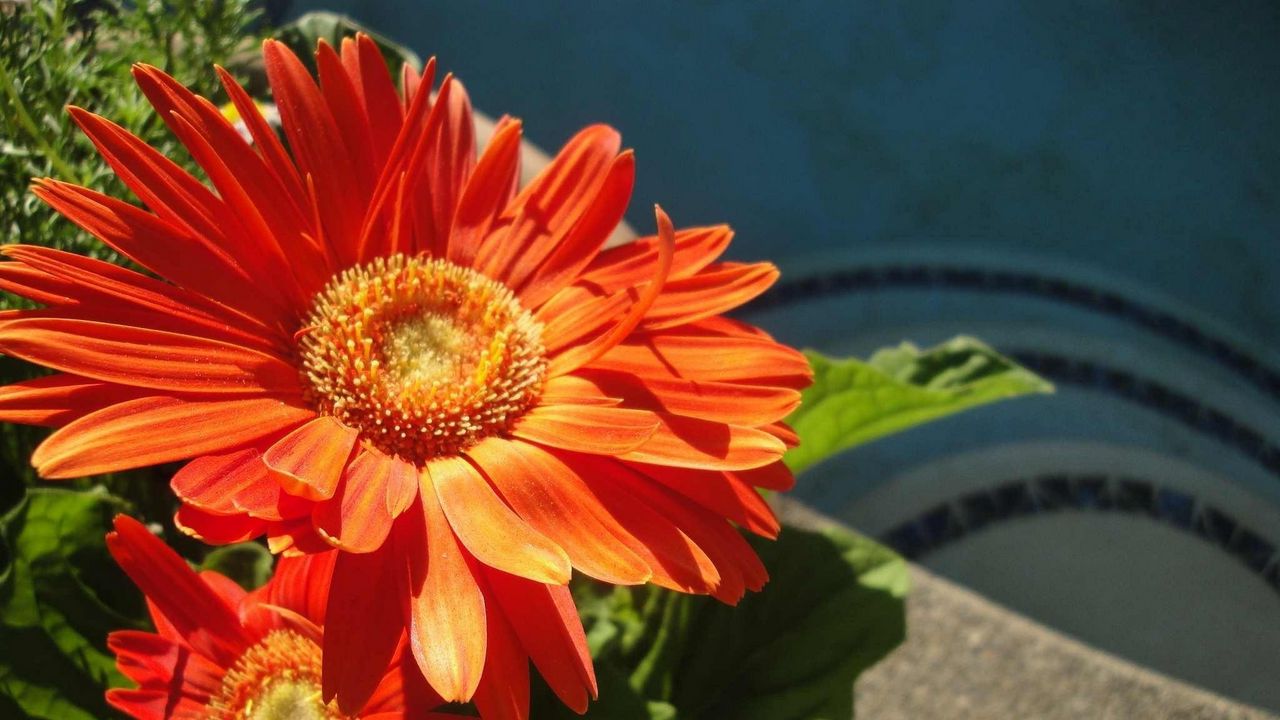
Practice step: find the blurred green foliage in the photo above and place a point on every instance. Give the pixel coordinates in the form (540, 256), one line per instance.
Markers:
(55, 53)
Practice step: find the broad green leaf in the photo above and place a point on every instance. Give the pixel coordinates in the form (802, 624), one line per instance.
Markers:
(248, 563)
(60, 594)
(852, 402)
(833, 608)
(302, 34)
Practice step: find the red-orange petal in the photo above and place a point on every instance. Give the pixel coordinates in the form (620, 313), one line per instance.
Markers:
(201, 618)
(551, 497)
(775, 476)
(301, 584)
(716, 290)
(586, 428)
(485, 194)
(54, 400)
(575, 249)
(216, 529)
(105, 292)
(549, 206)
(211, 481)
(362, 628)
(701, 444)
(447, 628)
(631, 264)
(490, 530)
(676, 560)
(146, 358)
(546, 621)
(317, 147)
(356, 519)
(582, 354)
(722, 493)
(503, 692)
(156, 429)
(732, 403)
(309, 461)
(754, 361)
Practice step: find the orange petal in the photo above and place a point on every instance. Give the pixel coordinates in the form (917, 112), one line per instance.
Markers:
(546, 621)
(584, 317)
(447, 628)
(309, 461)
(266, 500)
(156, 429)
(255, 245)
(551, 497)
(146, 358)
(37, 285)
(701, 444)
(355, 519)
(574, 390)
(494, 534)
(402, 487)
(173, 193)
(233, 166)
(586, 428)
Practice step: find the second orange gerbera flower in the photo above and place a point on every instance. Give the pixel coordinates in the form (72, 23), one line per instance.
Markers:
(377, 342)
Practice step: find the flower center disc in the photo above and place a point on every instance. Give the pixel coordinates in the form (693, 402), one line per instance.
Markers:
(277, 679)
(424, 357)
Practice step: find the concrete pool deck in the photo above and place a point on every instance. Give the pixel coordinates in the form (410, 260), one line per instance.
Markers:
(967, 658)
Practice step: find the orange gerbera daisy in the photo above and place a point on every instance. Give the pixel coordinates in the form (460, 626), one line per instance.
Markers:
(220, 653)
(377, 342)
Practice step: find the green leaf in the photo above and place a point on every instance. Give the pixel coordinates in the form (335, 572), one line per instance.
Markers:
(852, 402)
(833, 608)
(60, 594)
(302, 34)
(248, 563)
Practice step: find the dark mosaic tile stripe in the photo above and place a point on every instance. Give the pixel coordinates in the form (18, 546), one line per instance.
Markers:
(1160, 398)
(974, 512)
(1103, 302)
